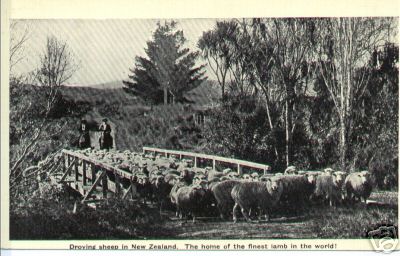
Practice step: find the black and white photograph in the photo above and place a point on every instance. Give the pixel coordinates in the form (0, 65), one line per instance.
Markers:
(203, 128)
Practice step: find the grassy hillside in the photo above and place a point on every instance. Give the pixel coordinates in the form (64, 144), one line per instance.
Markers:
(137, 124)
(97, 96)
(110, 93)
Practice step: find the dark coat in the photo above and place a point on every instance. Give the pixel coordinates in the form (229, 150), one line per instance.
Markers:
(105, 140)
(84, 137)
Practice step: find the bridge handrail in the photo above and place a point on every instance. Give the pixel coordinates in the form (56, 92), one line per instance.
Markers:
(210, 157)
(126, 174)
(105, 166)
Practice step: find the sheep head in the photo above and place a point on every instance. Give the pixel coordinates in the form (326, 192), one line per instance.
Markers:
(311, 177)
(274, 185)
(246, 177)
(198, 190)
(338, 178)
(159, 180)
(364, 175)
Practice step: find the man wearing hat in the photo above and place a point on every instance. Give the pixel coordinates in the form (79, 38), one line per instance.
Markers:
(84, 138)
(105, 140)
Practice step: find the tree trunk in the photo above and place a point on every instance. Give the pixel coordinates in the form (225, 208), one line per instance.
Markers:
(271, 125)
(165, 95)
(289, 103)
(223, 88)
(342, 143)
(288, 133)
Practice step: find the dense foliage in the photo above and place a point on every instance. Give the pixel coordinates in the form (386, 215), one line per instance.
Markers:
(291, 69)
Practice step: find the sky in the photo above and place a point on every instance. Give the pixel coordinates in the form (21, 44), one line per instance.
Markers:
(104, 50)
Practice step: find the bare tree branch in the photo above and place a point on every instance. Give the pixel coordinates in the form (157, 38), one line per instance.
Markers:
(17, 40)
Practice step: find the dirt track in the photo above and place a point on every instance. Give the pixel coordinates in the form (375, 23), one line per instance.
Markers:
(317, 222)
(276, 228)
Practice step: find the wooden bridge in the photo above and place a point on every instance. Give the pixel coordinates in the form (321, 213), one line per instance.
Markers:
(93, 179)
(97, 181)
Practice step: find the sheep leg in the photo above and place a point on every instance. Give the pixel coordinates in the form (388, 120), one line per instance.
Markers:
(161, 204)
(260, 213)
(364, 200)
(333, 201)
(181, 215)
(267, 217)
(246, 216)
(222, 211)
(349, 197)
(235, 207)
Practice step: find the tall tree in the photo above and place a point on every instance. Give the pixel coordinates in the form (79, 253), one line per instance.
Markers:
(57, 66)
(168, 68)
(215, 45)
(285, 46)
(345, 45)
(242, 56)
(374, 140)
(31, 112)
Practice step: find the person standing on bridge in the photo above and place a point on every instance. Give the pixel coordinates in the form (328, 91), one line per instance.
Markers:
(84, 138)
(105, 140)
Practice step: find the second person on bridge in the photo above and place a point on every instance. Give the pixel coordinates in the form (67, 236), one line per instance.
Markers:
(105, 140)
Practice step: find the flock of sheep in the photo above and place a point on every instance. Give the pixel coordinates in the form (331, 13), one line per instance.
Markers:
(171, 182)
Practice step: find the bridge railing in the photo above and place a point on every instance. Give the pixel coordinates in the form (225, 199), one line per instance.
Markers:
(98, 163)
(93, 179)
(215, 159)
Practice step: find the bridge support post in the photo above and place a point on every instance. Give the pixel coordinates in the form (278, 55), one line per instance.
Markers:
(68, 170)
(195, 162)
(93, 172)
(117, 186)
(94, 184)
(84, 179)
(239, 169)
(133, 189)
(76, 169)
(213, 164)
(69, 163)
(64, 160)
(104, 185)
